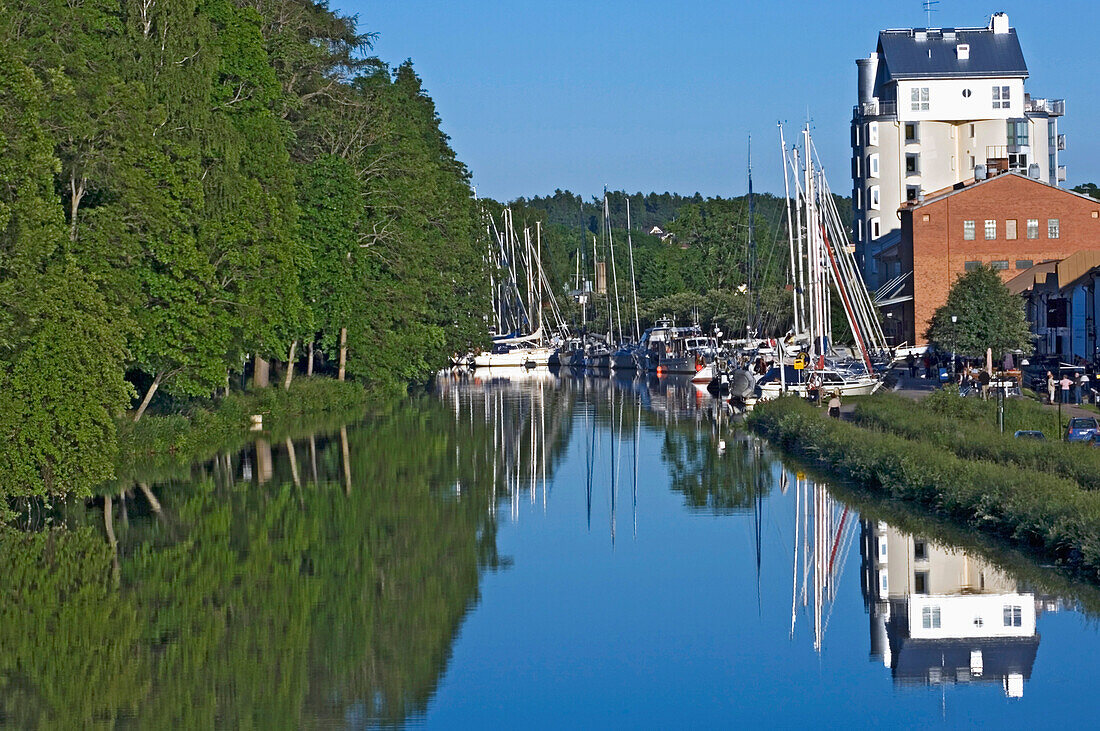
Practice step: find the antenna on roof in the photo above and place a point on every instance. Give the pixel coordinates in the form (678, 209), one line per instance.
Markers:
(929, 8)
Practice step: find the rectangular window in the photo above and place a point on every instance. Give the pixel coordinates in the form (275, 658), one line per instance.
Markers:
(912, 193)
(1017, 133)
(990, 229)
(1022, 264)
(875, 227)
(972, 265)
(918, 99)
(1052, 228)
(859, 197)
(920, 551)
(1010, 229)
(971, 162)
(874, 196)
(872, 165)
(911, 132)
(920, 582)
(872, 133)
(1000, 97)
(856, 167)
(855, 135)
(1033, 228)
(930, 617)
(971, 132)
(999, 264)
(968, 230)
(1013, 615)
(912, 164)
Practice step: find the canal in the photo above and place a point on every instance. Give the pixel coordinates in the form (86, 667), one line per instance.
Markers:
(526, 549)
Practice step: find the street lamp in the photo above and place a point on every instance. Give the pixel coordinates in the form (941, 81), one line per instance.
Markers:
(954, 337)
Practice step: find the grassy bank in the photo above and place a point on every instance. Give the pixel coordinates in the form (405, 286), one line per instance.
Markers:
(1048, 515)
(967, 428)
(157, 443)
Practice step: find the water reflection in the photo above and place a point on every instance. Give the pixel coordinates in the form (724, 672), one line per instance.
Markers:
(349, 577)
(939, 615)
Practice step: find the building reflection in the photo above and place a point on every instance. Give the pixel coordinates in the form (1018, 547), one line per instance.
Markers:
(940, 616)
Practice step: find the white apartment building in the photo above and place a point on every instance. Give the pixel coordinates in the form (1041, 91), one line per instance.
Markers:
(939, 106)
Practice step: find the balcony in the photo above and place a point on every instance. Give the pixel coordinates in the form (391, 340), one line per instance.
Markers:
(1050, 107)
(1061, 173)
(1061, 142)
(875, 108)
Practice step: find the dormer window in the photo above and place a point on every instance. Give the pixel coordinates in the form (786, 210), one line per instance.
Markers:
(963, 51)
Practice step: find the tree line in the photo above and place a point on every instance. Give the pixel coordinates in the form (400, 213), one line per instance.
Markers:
(190, 185)
(705, 268)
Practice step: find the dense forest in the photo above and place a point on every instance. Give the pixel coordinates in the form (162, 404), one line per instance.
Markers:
(191, 187)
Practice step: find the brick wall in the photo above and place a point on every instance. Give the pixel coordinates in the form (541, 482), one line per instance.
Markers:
(933, 234)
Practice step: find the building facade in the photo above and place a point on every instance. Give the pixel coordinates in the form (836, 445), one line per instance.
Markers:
(936, 107)
(1009, 222)
(1062, 306)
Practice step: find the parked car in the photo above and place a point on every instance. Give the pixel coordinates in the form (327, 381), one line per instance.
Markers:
(1081, 428)
(1032, 434)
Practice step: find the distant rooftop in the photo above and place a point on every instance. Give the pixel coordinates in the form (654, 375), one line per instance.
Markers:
(922, 53)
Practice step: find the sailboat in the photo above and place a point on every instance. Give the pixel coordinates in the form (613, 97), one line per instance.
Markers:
(822, 264)
(512, 346)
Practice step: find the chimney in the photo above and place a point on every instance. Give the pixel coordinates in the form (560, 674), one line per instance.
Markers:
(999, 23)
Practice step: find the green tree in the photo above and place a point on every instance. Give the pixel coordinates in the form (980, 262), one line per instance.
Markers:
(987, 316)
(61, 380)
(1089, 189)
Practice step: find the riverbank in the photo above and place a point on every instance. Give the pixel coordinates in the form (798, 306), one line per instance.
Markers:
(310, 405)
(1039, 510)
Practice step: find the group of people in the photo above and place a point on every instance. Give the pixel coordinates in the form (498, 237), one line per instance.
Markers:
(1071, 388)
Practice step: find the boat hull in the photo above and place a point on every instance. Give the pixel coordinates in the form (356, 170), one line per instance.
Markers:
(518, 358)
(855, 387)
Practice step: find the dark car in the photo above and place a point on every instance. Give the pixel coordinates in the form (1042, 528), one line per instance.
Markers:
(1030, 434)
(1081, 428)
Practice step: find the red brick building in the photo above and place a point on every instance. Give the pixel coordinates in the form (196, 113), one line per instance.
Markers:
(1008, 221)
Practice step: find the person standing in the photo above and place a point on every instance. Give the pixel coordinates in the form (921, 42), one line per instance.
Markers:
(911, 361)
(1050, 388)
(1084, 386)
(1065, 383)
(834, 405)
(983, 379)
(1077, 388)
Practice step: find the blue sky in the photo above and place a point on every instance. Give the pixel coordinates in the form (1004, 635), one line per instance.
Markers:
(648, 95)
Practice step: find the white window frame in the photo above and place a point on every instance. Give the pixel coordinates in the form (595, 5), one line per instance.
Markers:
(1002, 97)
(918, 99)
(930, 617)
(1033, 228)
(969, 231)
(990, 229)
(1054, 228)
(875, 197)
(872, 165)
(876, 228)
(872, 134)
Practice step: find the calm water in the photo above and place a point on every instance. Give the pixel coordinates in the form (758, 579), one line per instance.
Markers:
(540, 552)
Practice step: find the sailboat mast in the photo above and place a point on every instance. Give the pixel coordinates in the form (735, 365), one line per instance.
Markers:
(538, 261)
(614, 271)
(790, 229)
(750, 304)
(633, 282)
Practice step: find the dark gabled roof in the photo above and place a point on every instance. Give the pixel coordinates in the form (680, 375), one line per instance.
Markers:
(991, 54)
